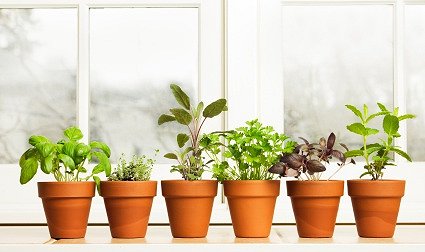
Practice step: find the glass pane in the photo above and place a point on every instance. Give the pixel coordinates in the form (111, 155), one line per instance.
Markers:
(415, 78)
(135, 54)
(38, 52)
(332, 56)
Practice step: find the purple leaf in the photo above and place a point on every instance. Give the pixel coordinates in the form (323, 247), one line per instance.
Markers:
(315, 166)
(331, 141)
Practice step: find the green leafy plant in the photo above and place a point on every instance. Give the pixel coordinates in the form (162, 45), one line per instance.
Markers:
(137, 169)
(252, 150)
(191, 163)
(377, 155)
(310, 159)
(65, 159)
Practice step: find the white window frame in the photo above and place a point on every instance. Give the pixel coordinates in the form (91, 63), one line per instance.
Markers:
(210, 87)
(256, 71)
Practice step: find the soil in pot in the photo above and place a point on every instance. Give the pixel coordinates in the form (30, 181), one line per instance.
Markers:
(128, 205)
(251, 204)
(189, 206)
(67, 207)
(376, 205)
(315, 205)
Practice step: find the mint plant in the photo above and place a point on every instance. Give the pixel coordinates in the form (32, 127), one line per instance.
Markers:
(377, 155)
(252, 150)
(191, 163)
(310, 159)
(65, 159)
(139, 168)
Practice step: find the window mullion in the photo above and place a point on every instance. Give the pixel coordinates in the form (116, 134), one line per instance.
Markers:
(83, 78)
(399, 81)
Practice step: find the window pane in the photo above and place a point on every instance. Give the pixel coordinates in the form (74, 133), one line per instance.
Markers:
(415, 78)
(38, 52)
(332, 56)
(135, 54)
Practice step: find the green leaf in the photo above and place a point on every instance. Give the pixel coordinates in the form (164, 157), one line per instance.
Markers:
(181, 97)
(365, 110)
(182, 139)
(406, 116)
(401, 153)
(375, 115)
(199, 110)
(29, 164)
(366, 173)
(182, 116)
(45, 148)
(104, 162)
(215, 108)
(34, 140)
(353, 153)
(357, 128)
(98, 169)
(97, 181)
(101, 146)
(73, 133)
(390, 124)
(355, 110)
(69, 149)
(371, 131)
(47, 164)
(82, 150)
(67, 161)
(170, 156)
(382, 107)
(165, 118)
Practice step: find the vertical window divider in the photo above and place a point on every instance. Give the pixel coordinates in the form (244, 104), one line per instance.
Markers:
(83, 78)
(399, 77)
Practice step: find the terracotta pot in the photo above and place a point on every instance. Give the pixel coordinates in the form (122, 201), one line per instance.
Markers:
(376, 205)
(128, 205)
(67, 207)
(315, 205)
(189, 206)
(251, 204)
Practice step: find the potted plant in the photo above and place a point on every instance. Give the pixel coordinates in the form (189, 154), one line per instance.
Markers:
(315, 201)
(376, 202)
(67, 201)
(250, 189)
(128, 196)
(189, 201)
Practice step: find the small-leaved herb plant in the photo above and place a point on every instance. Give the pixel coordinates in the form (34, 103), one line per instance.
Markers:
(65, 159)
(139, 168)
(378, 155)
(191, 163)
(310, 159)
(251, 150)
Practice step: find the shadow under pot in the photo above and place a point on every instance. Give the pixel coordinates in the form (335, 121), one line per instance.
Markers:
(251, 204)
(189, 206)
(128, 206)
(315, 205)
(67, 207)
(376, 204)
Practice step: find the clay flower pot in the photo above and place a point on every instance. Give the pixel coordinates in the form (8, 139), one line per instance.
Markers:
(189, 206)
(251, 204)
(315, 205)
(128, 205)
(67, 207)
(376, 205)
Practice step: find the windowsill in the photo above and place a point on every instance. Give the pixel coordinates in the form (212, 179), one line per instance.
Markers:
(219, 237)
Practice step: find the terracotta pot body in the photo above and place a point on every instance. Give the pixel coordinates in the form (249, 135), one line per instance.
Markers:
(315, 205)
(128, 206)
(251, 204)
(376, 205)
(67, 207)
(189, 206)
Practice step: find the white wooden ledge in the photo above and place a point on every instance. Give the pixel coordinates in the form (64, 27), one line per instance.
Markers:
(219, 239)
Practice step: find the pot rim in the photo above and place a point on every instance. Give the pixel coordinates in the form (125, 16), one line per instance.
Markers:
(63, 182)
(376, 188)
(375, 181)
(71, 189)
(128, 189)
(189, 188)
